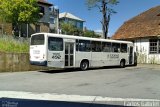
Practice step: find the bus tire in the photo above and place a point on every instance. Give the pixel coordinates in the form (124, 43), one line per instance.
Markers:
(84, 65)
(122, 64)
(135, 64)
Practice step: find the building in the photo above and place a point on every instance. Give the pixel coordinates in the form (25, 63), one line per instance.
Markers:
(144, 31)
(5, 28)
(72, 19)
(45, 24)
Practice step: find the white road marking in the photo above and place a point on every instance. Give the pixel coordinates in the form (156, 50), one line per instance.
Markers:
(64, 97)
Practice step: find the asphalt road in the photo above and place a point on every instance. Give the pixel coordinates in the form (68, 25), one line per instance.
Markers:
(141, 82)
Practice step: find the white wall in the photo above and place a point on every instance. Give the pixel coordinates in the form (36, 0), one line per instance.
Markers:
(142, 48)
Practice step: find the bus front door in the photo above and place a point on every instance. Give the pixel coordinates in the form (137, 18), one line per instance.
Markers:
(69, 54)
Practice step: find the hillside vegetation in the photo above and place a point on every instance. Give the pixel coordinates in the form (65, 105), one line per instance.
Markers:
(16, 45)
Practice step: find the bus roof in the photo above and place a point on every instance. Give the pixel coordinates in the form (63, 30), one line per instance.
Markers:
(81, 37)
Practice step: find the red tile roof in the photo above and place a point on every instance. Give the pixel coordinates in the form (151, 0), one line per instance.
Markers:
(146, 24)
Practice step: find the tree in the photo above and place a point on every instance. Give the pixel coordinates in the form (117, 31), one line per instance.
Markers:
(19, 11)
(89, 33)
(70, 29)
(67, 28)
(104, 7)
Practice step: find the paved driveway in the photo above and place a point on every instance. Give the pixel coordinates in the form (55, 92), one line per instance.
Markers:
(141, 82)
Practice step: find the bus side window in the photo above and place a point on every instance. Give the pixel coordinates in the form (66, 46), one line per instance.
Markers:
(115, 47)
(77, 44)
(124, 48)
(84, 45)
(55, 44)
(93, 45)
(96, 46)
(106, 47)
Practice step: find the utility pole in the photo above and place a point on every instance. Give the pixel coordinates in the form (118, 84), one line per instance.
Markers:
(27, 30)
(56, 14)
(58, 21)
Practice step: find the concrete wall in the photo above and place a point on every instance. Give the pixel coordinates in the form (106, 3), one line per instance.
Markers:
(10, 62)
(142, 48)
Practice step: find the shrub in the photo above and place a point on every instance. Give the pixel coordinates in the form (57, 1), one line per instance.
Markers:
(16, 45)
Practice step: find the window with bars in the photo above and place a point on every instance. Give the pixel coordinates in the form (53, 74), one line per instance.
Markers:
(154, 46)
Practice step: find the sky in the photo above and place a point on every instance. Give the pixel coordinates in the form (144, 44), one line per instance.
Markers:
(126, 9)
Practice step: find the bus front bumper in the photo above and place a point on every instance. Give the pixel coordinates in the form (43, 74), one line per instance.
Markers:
(39, 63)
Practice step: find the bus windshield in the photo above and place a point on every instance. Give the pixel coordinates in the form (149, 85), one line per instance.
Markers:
(37, 39)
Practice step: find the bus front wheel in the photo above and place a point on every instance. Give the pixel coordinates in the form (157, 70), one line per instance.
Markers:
(84, 65)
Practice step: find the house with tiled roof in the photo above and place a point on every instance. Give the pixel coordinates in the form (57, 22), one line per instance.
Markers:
(46, 20)
(70, 18)
(45, 24)
(144, 31)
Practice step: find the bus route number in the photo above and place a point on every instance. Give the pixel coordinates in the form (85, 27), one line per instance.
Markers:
(56, 56)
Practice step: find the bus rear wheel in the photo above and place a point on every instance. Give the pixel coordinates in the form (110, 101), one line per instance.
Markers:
(122, 63)
(84, 65)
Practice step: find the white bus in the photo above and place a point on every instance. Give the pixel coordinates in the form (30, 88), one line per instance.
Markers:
(66, 51)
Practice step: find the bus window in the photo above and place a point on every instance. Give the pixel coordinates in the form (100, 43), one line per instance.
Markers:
(77, 42)
(37, 39)
(115, 47)
(96, 46)
(55, 44)
(124, 48)
(106, 47)
(84, 45)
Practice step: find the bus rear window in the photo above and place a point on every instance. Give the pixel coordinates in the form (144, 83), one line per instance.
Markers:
(37, 39)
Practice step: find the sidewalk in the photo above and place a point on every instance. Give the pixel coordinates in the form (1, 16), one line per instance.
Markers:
(149, 66)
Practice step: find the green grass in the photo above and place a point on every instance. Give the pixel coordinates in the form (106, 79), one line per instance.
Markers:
(16, 45)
